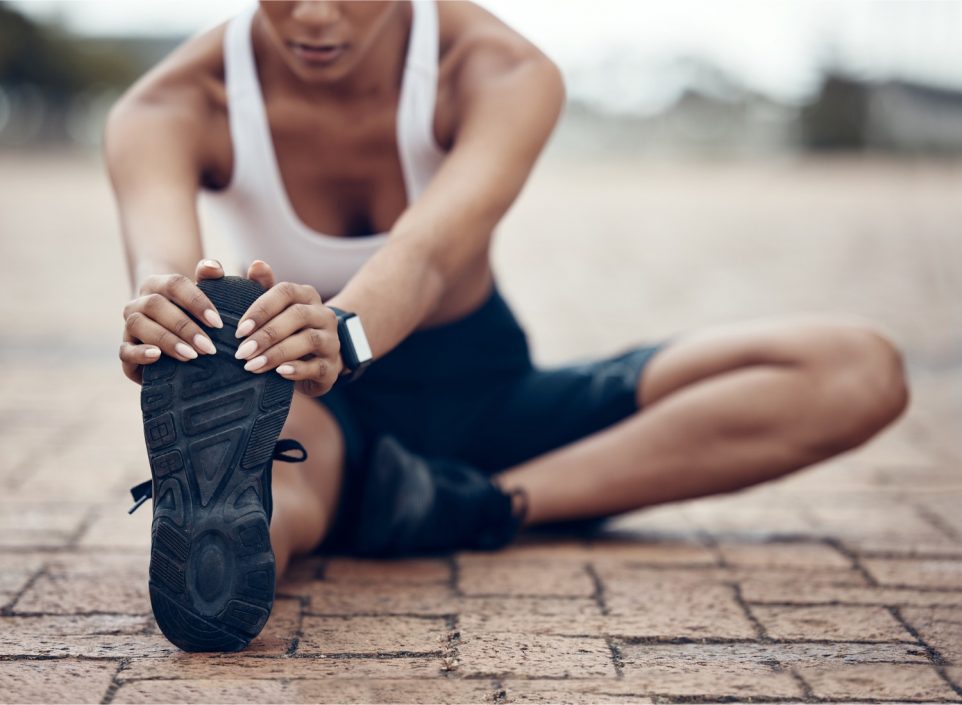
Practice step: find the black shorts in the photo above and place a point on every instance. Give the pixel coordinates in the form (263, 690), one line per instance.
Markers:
(468, 390)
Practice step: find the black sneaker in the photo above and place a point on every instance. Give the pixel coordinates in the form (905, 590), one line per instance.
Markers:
(415, 505)
(211, 430)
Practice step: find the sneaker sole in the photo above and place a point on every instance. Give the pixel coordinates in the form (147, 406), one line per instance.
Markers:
(210, 428)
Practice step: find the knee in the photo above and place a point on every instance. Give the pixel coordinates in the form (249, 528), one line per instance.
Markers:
(858, 384)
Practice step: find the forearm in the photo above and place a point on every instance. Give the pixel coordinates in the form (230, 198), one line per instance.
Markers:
(397, 289)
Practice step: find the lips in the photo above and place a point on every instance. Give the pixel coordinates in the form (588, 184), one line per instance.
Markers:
(318, 54)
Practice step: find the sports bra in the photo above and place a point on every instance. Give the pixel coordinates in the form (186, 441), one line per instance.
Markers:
(254, 209)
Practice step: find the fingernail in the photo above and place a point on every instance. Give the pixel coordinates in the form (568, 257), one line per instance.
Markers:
(184, 350)
(257, 363)
(244, 328)
(204, 344)
(152, 353)
(212, 263)
(213, 318)
(285, 370)
(246, 349)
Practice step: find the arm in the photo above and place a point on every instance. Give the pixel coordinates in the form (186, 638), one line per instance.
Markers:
(153, 155)
(509, 107)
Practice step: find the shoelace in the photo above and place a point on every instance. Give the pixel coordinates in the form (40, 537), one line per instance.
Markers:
(287, 450)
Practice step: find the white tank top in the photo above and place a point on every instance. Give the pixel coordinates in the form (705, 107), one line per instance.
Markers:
(254, 209)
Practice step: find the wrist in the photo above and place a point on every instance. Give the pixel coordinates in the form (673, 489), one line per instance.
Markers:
(355, 351)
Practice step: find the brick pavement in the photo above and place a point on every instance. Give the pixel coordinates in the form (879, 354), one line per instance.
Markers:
(840, 584)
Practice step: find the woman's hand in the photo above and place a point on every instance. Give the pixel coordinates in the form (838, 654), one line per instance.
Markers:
(153, 323)
(290, 330)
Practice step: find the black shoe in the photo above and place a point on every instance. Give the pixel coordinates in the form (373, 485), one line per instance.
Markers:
(414, 505)
(211, 430)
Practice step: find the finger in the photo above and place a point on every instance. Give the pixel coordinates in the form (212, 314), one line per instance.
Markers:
(208, 269)
(294, 318)
(134, 356)
(162, 311)
(313, 377)
(313, 342)
(272, 302)
(186, 294)
(148, 331)
(261, 272)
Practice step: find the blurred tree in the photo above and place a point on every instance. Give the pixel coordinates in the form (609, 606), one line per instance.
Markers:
(55, 62)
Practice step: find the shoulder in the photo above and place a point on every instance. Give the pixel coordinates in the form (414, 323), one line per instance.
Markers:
(183, 92)
(483, 56)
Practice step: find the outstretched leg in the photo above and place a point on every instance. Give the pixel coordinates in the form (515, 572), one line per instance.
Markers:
(306, 494)
(725, 409)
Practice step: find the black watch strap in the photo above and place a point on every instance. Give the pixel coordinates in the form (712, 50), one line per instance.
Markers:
(353, 366)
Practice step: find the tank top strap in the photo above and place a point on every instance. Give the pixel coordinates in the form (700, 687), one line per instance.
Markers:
(419, 152)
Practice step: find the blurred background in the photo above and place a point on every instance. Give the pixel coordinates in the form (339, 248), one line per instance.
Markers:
(716, 161)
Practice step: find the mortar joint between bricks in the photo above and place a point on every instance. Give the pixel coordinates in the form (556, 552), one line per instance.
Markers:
(10, 607)
(936, 521)
(598, 593)
(749, 615)
(853, 558)
(115, 683)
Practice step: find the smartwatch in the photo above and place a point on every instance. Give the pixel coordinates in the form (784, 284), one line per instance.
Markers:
(355, 350)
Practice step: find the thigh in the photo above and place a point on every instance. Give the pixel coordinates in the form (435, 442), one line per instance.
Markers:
(698, 355)
(545, 409)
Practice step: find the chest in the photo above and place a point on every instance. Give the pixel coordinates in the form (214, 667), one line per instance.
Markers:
(339, 164)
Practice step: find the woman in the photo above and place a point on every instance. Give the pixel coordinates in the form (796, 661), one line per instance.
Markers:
(367, 150)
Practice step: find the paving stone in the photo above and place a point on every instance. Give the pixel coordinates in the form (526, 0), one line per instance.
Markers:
(400, 572)
(183, 666)
(876, 522)
(783, 653)
(331, 598)
(648, 553)
(487, 654)
(55, 681)
(89, 583)
(672, 603)
(716, 671)
(39, 525)
(573, 692)
(514, 577)
(529, 615)
(281, 630)
(372, 635)
(113, 528)
(792, 592)
(946, 574)
(88, 636)
(940, 628)
(331, 690)
(907, 682)
(809, 556)
(831, 623)
(16, 570)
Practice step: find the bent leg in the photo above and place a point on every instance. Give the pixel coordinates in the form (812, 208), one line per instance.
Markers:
(724, 409)
(306, 494)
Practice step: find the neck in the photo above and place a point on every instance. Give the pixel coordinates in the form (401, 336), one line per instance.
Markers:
(377, 73)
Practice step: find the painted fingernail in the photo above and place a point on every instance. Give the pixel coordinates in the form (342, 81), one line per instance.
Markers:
(152, 353)
(257, 363)
(213, 318)
(184, 350)
(285, 370)
(246, 349)
(244, 328)
(203, 343)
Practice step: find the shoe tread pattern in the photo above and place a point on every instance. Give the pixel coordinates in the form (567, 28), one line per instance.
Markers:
(210, 428)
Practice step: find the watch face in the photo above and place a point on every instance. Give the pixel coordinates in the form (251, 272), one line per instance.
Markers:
(361, 347)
